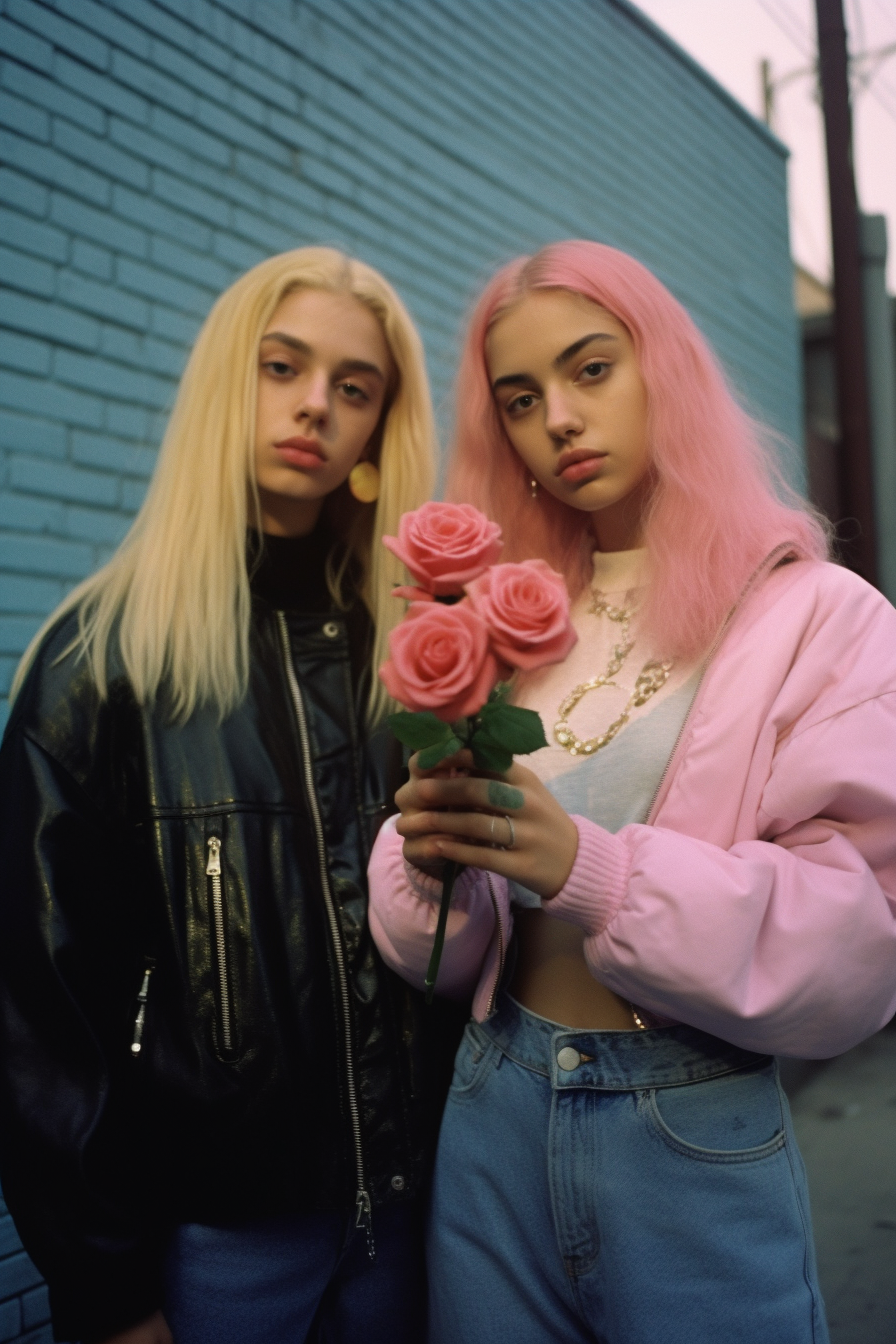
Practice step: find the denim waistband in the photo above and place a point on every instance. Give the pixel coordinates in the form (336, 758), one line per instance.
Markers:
(612, 1061)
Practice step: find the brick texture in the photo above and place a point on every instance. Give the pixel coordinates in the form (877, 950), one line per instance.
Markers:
(151, 150)
(24, 1313)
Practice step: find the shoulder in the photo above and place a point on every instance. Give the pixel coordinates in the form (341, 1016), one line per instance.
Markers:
(815, 601)
(826, 637)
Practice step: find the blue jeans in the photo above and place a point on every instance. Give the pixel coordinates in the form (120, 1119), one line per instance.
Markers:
(308, 1277)
(617, 1186)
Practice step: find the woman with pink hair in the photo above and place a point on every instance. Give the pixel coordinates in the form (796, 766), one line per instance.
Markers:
(696, 874)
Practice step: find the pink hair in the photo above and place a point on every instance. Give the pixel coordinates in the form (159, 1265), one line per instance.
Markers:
(718, 503)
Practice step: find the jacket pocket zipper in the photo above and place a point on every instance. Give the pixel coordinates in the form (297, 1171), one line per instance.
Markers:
(213, 872)
(140, 1019)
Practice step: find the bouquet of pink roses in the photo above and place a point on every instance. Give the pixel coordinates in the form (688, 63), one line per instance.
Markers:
(470, 624)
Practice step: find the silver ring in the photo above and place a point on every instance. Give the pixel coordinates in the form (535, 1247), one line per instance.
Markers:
(512, 833)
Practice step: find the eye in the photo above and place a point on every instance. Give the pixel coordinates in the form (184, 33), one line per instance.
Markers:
(278, 368)
(593, 370)
(519, 405)
(354, 392)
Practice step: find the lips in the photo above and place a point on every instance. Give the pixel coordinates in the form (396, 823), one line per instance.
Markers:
(301, 452)
(577, 464)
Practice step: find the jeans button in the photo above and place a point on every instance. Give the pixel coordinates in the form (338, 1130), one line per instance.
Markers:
(568, 1058)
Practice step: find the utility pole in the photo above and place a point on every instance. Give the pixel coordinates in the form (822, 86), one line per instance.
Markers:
(855, 465)
(767, 92)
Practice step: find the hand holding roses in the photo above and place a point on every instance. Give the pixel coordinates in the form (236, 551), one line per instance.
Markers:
(447, 816)
(446, 657)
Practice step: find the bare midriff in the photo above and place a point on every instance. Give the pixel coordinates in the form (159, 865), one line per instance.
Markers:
(551, 977)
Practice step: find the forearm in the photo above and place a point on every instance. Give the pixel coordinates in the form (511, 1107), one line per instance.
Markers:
(404, 909)
(782, 950)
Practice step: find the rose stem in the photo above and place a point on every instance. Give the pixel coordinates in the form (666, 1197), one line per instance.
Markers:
(449, 874)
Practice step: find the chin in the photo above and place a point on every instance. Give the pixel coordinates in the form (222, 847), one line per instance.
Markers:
(591, 497)
(289, 484)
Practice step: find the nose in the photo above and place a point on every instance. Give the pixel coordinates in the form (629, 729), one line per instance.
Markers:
(313, 402)
(562, 420)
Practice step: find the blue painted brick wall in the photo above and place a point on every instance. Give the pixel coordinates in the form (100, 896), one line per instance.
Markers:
(24, 1313)
(151, 150)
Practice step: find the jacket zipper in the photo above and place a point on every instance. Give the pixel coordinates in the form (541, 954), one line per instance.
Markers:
(213, 871)
(754, 578)
(140, 1019)
(363, 1211)
(498, 978)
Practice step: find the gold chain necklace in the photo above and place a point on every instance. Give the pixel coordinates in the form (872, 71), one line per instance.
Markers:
(652, 676)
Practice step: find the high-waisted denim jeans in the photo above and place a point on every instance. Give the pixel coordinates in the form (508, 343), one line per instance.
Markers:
(627, 1187)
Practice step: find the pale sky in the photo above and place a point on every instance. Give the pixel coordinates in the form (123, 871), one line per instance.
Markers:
(729, 38)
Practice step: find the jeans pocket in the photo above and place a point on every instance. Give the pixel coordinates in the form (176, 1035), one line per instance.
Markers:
(475, 1055)
(735, 1118)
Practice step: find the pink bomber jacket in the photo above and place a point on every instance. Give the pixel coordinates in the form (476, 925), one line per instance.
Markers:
(758, 901)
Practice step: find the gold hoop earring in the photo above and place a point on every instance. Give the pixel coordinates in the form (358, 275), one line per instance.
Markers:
(534, 489)
(364, 482)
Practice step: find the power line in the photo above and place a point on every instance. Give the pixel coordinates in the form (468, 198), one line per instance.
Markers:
(789, 26)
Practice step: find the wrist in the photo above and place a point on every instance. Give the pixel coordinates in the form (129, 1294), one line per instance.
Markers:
(566, 851)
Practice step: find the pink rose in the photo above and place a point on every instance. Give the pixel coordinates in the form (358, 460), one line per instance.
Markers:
(445, 545)
(440, 660)
(526, 608)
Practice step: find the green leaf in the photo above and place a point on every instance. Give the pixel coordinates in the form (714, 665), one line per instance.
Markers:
(520, 731)
(430, 757)
(489, 754)
(500, 692)
(419, 730)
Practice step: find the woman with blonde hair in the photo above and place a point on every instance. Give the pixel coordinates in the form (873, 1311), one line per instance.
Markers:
(215, 1098)
(696, 874)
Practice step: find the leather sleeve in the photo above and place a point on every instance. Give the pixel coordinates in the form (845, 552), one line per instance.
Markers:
(63, 907)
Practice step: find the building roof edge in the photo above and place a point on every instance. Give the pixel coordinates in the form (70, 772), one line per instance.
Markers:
(659, 35)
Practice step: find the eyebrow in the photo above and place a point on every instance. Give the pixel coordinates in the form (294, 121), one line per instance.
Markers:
(303, 348)
(518, 379)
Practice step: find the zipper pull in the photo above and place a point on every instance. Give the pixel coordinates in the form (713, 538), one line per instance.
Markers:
(137, 1042)
(213, 868)
(364, 1219)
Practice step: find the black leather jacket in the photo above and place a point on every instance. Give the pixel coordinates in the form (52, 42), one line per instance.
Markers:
(194, 1022)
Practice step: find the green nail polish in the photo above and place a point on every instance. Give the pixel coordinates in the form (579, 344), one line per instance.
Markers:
(505, 795)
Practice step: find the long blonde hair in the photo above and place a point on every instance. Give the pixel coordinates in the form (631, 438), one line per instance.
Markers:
(176, 591)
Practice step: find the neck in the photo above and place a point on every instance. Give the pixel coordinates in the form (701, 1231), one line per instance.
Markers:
(616, 535)
(282, 516)
(619, 527)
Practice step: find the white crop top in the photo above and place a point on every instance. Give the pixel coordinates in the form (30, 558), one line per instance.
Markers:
(616, 785)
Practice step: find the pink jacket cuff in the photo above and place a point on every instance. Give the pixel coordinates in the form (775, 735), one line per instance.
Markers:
(597, 884)
(428, 888)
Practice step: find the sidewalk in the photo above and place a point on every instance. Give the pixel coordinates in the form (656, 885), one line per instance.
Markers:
(845, 1118)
